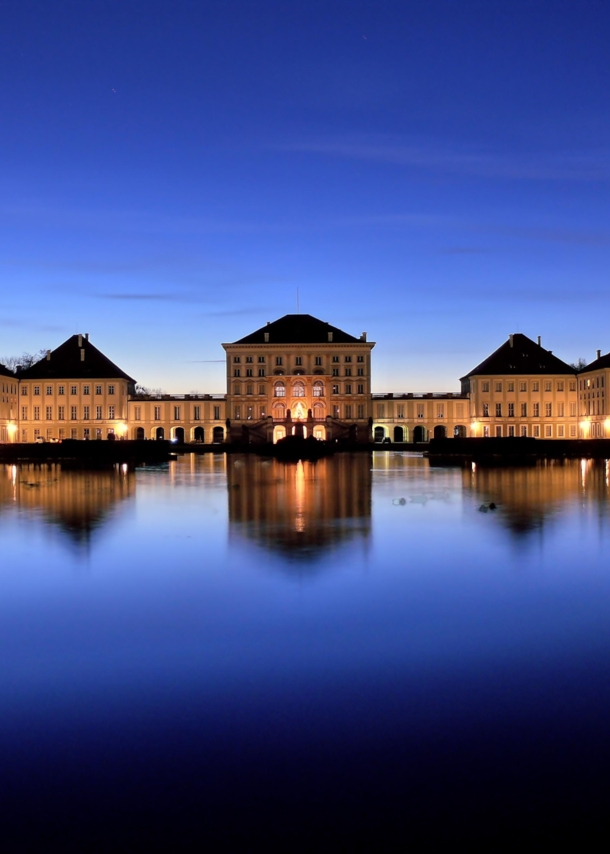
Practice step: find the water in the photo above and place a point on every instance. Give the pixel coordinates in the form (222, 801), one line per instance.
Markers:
(234, 653)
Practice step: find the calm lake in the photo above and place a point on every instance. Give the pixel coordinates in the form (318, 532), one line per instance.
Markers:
(232, 652)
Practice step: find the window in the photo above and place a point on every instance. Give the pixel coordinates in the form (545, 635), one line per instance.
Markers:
(485, 410)
(249, 360)
(559, 385)
(335, 358)
(348, 372)
(336, 409)
(24, 435)
(98, 412)
(86, 412)
(73, 413)
(61, 389)
(248, 372)
(110, 389)
(572, 430)
(262, 412)
(73, 433)
(498, 431)
(536, 431)
(573, 409)
(49, 389)
(111, 412)
(511, 430)
(348, 358)
(196, 413)
(24, 390)
(560, 431)
(318, 360)
(486, 431)
(262, 389)
(524, 429)
(560, 410)
(400, 411)
(536, 410)
(335, 372)
(237, 388)
(98, 389)
(511, 410)
(440, 410)
(24, 413)
(498, 387)
(420, 410)
(572, 385)
(348, 388)
(360, 410)
(360, 359)
(249, 389)
(61, 413)
(237, 359)
(86, 389)
(360, 388)
(217, 413)
(524, 410)
(73, 389)
(261, 360)
(535, 386)
(548, 431)
(49, 413)
(548, 410)
(484, 386)
(548, 386)
(237, 372)
(37, 390)
(249, 413)
(137, 413)
(278, 360)
(522, 386)
(348, 411)
(279, 390)
(510, 386)
(498, 410)
(176, 413)
(298, 360)
(261, 372)
(238, 413)
(318, 389)
(335, 389)
(360, 372)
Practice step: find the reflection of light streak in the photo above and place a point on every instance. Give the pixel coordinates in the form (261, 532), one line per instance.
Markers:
(583, 472)
(474, 467)
(299, 520)
(607, 466)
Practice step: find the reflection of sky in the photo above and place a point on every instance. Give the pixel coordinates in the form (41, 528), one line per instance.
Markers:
(177, 658)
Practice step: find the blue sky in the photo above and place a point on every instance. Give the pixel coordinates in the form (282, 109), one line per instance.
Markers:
(435, 173)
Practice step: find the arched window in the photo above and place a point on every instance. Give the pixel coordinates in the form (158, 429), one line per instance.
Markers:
(298, 389)
(279, 411)
(318, 389)
(319, 413)
(279, 390)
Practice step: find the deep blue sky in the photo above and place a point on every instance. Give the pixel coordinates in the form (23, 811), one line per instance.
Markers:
(435, 173)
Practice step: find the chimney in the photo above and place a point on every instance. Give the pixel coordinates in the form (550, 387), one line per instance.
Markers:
(82, 355)
(330, 337)
(550, 352)
(48, 355)
(363, 336)
(80, 340)
(266, 337)
(268, 323)
(539, 341)
(86, 336)
(510, 340)
(599, 354)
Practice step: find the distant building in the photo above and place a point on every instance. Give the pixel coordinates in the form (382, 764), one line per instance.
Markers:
(299, 374)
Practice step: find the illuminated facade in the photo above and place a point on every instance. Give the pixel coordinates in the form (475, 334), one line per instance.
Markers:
(301, 375)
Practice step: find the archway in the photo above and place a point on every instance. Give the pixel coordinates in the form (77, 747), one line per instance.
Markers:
(459, 432)
(218, 435)
(159, 433)
(279, 432)
(440, 432)
(419, 434)
(140, 433)
(379, 434)
(319, 433)
(399, 434)
(198, 434)
(179, 435)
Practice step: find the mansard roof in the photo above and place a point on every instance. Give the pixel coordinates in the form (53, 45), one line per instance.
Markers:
(520, 355)
(67, 362)
(299, 329)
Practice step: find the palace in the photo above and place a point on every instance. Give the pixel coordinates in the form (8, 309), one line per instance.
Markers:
(302, 375)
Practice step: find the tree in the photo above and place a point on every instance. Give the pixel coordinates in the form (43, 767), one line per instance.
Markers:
(144, 391)
(26, 360)
(579, 364)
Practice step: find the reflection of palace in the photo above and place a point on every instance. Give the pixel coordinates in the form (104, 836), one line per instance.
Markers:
(301, 373)
(300, 508)
(78, 502)
(527, 497)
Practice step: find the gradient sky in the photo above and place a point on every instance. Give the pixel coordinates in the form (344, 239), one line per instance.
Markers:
(435, 173)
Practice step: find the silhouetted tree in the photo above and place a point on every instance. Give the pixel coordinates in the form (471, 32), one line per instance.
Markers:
(579, 364)
(145, 391)
(26, 360)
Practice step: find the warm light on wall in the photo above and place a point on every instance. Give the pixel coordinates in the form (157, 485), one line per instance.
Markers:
(12, 429)
(121, 429)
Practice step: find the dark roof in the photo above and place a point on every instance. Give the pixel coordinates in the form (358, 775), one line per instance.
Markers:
(298, 329)
(597, 365)
(4, 372)
(66, 363)
(524, 357)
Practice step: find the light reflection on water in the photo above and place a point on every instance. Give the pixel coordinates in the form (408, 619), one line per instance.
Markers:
(228, 644)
